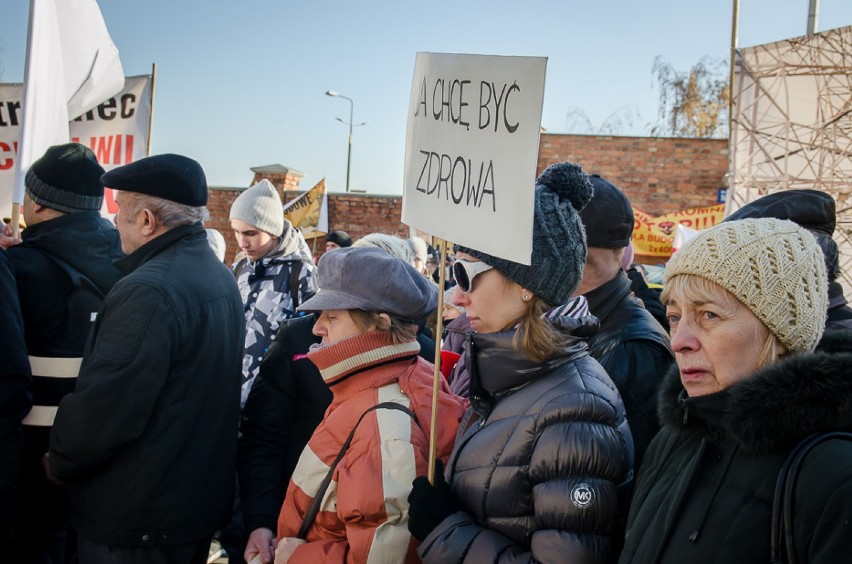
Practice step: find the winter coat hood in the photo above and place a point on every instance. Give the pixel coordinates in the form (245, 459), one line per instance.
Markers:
(778, 405)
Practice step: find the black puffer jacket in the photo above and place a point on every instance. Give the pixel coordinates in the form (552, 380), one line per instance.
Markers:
(148, 439)
(634, 350)
(705, 491)
(538, 461)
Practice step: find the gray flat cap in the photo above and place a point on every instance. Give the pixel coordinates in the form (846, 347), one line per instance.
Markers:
(370, 279)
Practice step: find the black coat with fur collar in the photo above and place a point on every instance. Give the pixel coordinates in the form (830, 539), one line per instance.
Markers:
(704, 493)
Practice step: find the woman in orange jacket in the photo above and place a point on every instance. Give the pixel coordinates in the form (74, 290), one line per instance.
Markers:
(377, 426)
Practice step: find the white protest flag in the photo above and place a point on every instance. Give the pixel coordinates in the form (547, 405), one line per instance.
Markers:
(72, 65)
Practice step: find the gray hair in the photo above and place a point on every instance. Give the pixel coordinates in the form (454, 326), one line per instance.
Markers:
(388, 243)
(168, 213)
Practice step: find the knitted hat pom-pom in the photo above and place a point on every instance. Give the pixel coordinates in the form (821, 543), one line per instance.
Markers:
(569, 182)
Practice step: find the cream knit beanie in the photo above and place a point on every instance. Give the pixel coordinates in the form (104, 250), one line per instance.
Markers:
(260, 206)
(774, 267)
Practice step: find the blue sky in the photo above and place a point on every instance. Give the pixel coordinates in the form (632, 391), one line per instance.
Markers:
(241, 84)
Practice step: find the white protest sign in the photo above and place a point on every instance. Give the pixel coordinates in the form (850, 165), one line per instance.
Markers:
(116, 130)
(472, 148)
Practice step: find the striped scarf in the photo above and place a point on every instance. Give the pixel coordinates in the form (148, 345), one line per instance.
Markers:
(371, 351)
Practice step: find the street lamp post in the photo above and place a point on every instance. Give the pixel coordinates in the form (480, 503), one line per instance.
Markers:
(351, 125)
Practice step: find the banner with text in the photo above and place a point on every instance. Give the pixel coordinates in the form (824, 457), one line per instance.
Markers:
(471, 150)
(305, 212)
(654, 235)
(116, 130)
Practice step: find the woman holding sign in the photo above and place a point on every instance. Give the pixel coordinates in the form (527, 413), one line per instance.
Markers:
(543, 451)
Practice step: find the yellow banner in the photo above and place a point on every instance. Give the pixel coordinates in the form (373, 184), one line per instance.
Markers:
(653, 236)
(304, 211)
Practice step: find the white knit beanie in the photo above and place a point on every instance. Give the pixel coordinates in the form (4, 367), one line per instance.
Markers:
(774, 267)
(260, 206)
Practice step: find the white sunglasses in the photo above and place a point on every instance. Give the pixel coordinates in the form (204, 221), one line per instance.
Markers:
(465, 271)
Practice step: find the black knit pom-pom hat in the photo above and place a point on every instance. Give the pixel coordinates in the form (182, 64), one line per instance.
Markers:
(559, 241)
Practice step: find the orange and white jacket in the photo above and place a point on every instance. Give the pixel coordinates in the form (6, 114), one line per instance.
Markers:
(364, 513)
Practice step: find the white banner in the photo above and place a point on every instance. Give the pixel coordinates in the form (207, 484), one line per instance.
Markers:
(116, 130)
(472, 149)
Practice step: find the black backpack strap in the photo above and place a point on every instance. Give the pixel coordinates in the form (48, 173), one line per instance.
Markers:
(785, 488)
(295, 272)
(315, 504)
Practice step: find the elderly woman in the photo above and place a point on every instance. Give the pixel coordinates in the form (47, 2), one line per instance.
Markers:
(536, 468)
(746, 301)
(374, 437)
(286, 403)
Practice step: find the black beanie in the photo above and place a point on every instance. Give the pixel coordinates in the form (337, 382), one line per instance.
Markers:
(340, 238)
(608, 218)
(811, 209)
(67, 179)
(559, 243)
(171, 177)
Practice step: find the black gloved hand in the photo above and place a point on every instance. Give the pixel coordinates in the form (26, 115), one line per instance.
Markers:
(430, 503)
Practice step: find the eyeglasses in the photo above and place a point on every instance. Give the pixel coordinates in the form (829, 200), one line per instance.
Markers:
(465, 271)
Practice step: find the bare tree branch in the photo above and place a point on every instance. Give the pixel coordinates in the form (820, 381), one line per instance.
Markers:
(694, 103)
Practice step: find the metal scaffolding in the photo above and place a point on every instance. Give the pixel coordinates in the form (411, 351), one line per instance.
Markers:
(792, 125)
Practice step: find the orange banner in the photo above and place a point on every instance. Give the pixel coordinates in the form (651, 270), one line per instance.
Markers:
(653, 236)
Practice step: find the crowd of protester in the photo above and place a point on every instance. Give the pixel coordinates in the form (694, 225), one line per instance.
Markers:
(153, 399)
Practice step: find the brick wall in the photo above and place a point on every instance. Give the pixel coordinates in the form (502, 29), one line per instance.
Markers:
(219, 204)
(659, 175)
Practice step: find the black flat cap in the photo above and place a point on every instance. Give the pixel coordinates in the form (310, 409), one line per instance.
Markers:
(811, 209)
(608, 217)
(171, 177)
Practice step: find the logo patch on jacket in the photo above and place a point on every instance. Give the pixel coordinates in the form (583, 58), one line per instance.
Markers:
(582, 495)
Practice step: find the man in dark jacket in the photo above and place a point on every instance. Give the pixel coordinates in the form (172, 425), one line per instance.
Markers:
(815, 211)
(147, 442)
(63, 269)
(15, 401)
(630, 344)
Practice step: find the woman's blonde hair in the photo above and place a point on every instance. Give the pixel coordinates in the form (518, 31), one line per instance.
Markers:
(536, 336)
(401, 331)
(689, 288)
